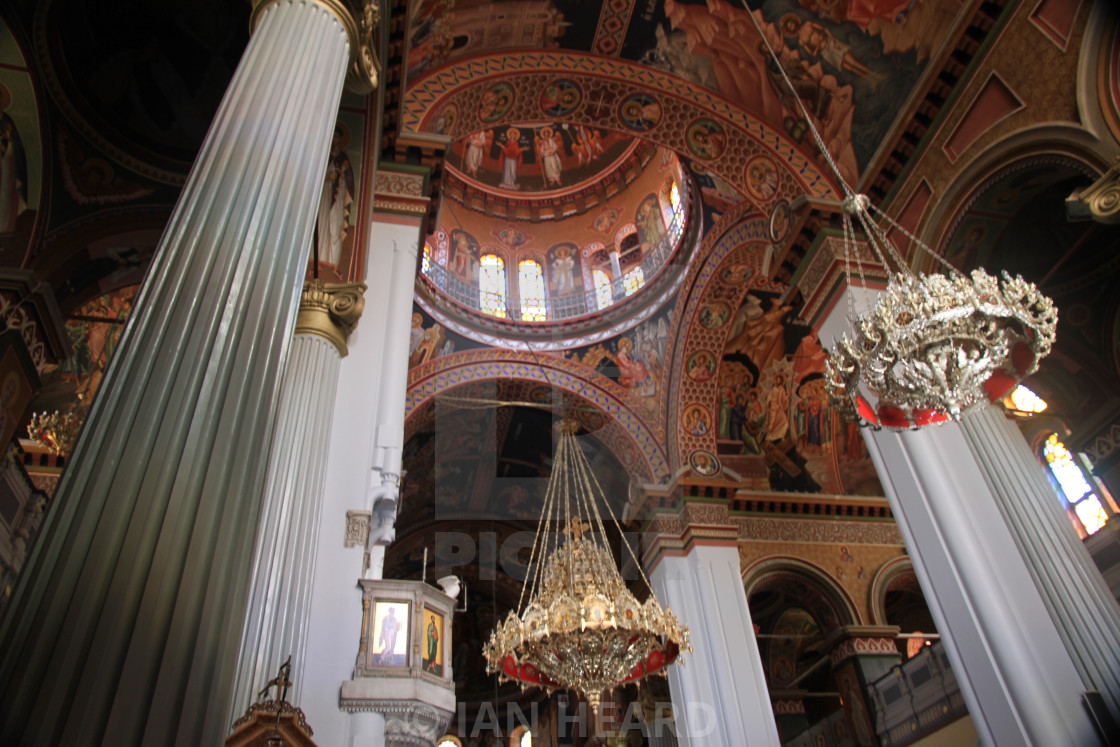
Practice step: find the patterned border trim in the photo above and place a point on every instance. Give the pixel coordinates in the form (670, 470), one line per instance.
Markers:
(812, 530)
(862, 647)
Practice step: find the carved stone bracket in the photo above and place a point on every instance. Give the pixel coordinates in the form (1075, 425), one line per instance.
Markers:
(1100, 201)
(357, 528)
(361, 19)
(407, 723)
(330, 311)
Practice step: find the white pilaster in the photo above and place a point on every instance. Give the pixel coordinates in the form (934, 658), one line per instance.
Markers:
(130, 610)
(719, 695)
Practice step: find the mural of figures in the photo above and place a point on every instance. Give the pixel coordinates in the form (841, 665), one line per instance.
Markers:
(432, 659)
(336, 199)
(464, 256)
(564, 274)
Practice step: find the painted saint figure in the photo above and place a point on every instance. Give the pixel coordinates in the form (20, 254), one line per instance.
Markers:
(476, 147)
(335, 199)
(388, 640)
(550, 156)
(433, 645)
(561, 275)
(511, 159)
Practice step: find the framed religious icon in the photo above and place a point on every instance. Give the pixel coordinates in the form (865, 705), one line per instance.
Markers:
(432, 642)
(389, 642)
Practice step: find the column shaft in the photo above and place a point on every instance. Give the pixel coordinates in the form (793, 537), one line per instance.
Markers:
(127, 618)
(1015, 674)
(288, 532)
(1072, 588)
(720, 694)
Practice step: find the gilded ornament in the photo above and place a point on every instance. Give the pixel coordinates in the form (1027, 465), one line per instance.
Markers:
(330, 311)
(360, 19)
(581, 628)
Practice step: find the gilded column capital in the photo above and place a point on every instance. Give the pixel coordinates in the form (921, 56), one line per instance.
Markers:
(330, 311)
(1100, 201)
(360, 19)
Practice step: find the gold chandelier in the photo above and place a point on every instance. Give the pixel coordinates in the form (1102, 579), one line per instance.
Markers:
(57, 430)
(581, 629)
(936, 345)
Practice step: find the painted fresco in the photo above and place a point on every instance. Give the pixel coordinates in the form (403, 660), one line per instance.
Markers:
(538, 158)
(429, 340)
(93, 331)
(852, 64)
(751, 391)
(444, 30)
(635, 360)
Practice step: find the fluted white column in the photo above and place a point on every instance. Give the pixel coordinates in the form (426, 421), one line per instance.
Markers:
(125, 624)
(1072, 587)
(1015, 674)
(288, 530)
(719, 695)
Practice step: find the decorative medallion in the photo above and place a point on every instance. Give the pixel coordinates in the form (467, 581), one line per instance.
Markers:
(761, 178)
(697, 420)
(605, 220)
(446, 119)
(701, 366)
(734, 274)
(495, 102)
(640, 112)
(704, 463)
(706, 138)
(560, 98)
(715, 315)
(780, 222)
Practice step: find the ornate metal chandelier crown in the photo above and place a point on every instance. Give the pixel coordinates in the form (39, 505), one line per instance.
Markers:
(934, 346)
(582, 628)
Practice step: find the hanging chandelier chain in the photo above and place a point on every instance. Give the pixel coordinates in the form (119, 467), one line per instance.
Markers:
(800, 105)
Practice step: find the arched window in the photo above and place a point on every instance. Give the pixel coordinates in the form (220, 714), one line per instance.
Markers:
(603, 295)
(1069, 478)
(492, 285)
(449, 740)
(442, 243)
(633, 280)
(530, 289)
(670, 200)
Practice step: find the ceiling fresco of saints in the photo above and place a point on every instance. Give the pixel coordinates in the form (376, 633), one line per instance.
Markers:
(852, 64)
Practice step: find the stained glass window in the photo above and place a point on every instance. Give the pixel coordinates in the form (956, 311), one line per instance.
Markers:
(492, 285)
(426, 259)
(530, 280)
(633, 280)
(442, 243)
(1073, 485)
(603, 295)
(668, 203)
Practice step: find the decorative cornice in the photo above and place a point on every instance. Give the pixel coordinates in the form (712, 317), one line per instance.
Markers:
(408, 723)
(330, 311)
(360, 19)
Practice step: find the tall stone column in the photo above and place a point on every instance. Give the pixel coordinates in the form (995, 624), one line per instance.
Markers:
(1015, 673)
(126, 622)
(717, 698)
(288, 530)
